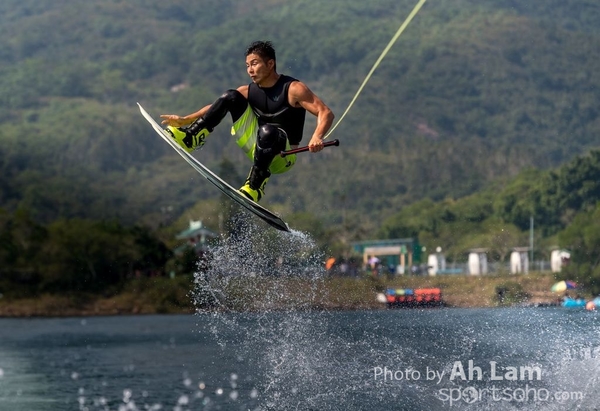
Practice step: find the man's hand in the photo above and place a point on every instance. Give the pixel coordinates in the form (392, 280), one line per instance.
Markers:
(174, 120)
(315, 145)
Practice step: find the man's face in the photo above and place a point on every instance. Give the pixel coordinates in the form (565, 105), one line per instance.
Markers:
(257, 68)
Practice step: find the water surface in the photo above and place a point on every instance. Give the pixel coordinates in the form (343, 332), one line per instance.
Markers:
(389, 359)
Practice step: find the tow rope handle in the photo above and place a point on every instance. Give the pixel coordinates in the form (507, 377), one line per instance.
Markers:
(335, 142)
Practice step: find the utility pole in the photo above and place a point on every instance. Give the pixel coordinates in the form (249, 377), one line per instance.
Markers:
(531, 239)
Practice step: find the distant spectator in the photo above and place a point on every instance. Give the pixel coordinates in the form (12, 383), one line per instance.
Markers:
(344, 268)
(373, 264)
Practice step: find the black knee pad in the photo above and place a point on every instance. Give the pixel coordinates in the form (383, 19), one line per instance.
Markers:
(231, 101)
(270, 136)
(236, 103)
(270, 142)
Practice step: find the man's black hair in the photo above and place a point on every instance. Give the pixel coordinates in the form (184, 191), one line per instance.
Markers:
(263, 49)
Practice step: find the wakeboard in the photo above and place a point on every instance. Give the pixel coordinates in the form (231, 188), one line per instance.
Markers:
(255, 208)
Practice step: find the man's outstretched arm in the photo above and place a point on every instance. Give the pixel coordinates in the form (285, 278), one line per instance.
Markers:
(179, 121)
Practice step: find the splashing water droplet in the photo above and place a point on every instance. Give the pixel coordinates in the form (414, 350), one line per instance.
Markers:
(127, 395)
(274, 282)
(257, 269)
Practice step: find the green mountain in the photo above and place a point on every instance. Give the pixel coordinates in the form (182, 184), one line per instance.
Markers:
(473, 93)
(562, 204)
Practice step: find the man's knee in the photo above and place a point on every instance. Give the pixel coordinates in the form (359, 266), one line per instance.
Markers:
(270, 142)
(270, 136)
(231, 101)
(233, 96)
(236, 103)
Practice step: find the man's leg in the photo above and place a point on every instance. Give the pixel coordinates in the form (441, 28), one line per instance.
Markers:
(192, 137)
(269, 143)
(245, 131)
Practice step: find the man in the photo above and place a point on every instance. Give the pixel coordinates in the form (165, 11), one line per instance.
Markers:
(268, 117)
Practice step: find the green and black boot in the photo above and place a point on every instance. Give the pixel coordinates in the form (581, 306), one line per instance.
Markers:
(254, 188)
(192, 137)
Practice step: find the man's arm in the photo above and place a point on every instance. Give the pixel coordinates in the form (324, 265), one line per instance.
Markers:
(179, 121)
(300, 95)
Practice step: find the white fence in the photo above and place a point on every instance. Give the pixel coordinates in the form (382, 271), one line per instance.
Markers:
(492, 268)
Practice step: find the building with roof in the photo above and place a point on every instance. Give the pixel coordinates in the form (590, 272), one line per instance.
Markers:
(197, 236)
(399, 252)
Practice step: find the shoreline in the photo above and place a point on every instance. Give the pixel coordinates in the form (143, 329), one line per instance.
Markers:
(174, 296)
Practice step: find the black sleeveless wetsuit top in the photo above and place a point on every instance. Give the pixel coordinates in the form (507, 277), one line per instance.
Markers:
(271, 106)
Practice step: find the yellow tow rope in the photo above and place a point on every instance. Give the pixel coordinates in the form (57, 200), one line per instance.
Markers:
(383, 54)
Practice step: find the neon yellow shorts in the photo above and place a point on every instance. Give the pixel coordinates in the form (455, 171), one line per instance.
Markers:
(245, 130)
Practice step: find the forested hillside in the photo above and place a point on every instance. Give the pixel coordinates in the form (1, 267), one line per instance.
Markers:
(472, 93)
(563, 205)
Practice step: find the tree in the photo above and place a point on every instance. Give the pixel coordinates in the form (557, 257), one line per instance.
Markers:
(21, 242)
(582, 238)
(90, 255)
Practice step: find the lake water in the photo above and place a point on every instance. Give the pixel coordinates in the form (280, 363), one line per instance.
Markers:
(262, 358)
(505, 358)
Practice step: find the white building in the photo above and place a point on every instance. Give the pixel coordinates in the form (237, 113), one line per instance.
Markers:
(519, 261)
(436, 262)
(478, 263)
(558, 259)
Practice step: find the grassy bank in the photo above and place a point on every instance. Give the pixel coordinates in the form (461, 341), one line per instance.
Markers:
(165, 295)
(139, 296)
(457, 290)
(481, 291)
